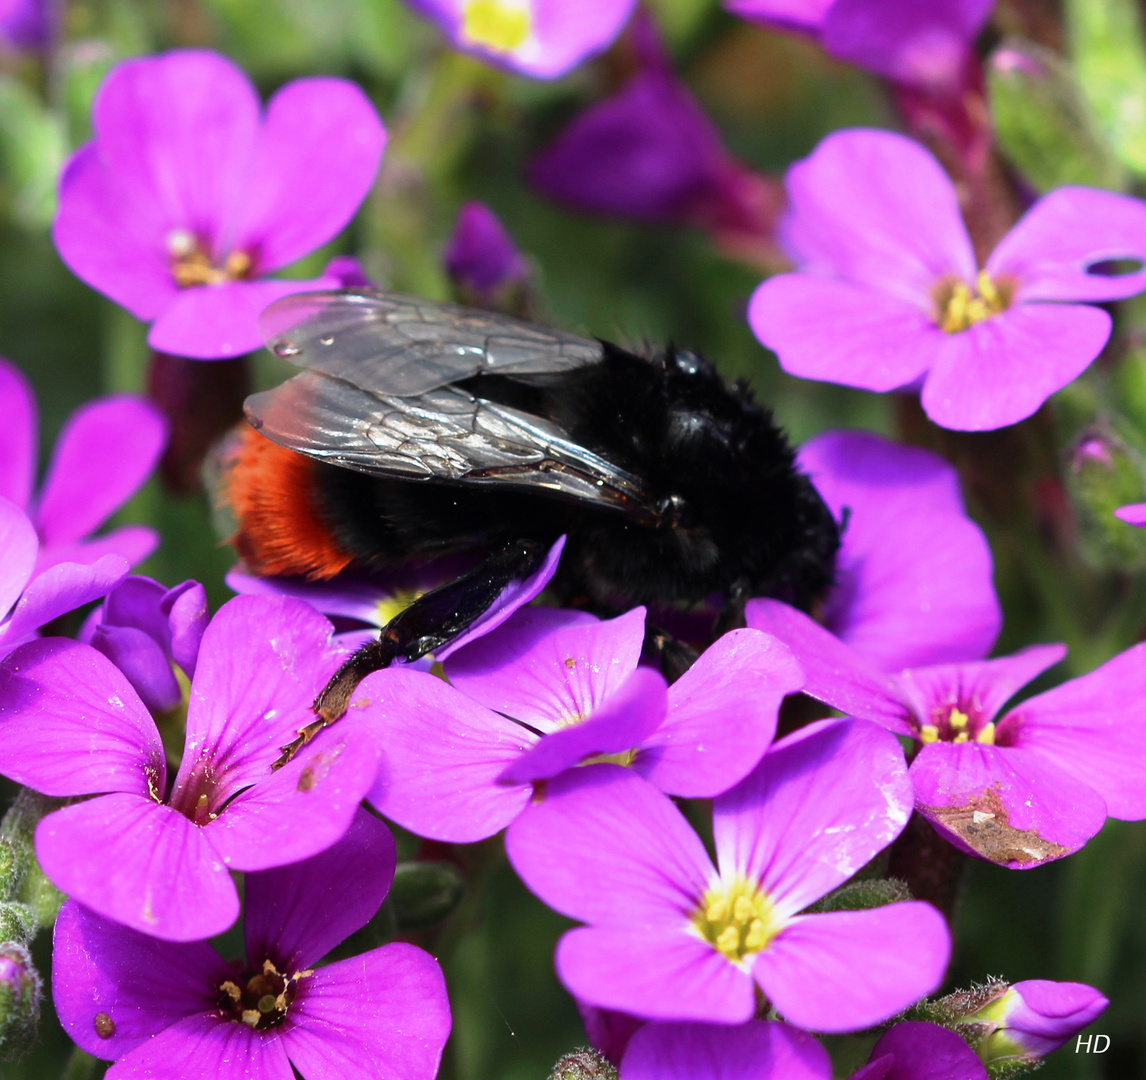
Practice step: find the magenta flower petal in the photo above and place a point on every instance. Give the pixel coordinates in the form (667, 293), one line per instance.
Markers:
(207, 1046)
(899, 230)
(317, 155)
(722, 716)
(913, 1050)
(384, 1013)
(1057, 250)
(1001, 370)
(984, 687)
(659, 972)
(442, 755)
(18, 547)
(141, 983)
(872, 340)
(513, 597)
(1092, 728)
(834, 673)
(819, 806)
(109, 229)
(132, 543)
(18, 436)
(548, 668)
(481, 256)
(60, 589)
(142, 660)
(913, 574)
(796, 14)
(139, 863)
(302, 808)
(1008, 805)
(902, 40)
(622, 722)
(296, 914)
(1042, 1015)
(579, 851)
(848, 970)
(104, 453)
(217, 321)
(758, 1050)
(79, 699)
(1134, 514)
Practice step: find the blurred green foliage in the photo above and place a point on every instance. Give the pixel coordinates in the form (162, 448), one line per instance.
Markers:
(460, 130)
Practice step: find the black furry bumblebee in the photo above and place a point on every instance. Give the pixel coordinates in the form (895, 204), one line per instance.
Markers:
(423, 429)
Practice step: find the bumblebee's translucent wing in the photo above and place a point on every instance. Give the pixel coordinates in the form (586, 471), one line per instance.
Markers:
(445, 435)
(388, 343)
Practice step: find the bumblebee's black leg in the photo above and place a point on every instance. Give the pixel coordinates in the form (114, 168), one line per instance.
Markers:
(428, 623)
(673, 658)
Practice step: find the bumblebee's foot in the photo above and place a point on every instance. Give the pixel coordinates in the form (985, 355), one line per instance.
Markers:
(295, 745)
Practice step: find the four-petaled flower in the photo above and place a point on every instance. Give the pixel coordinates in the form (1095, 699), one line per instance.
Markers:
(671, 937)
(148, 1003)
(188, 197)
(888, 294)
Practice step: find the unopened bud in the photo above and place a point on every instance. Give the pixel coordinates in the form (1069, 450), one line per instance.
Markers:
(425, 893)
(583, 1064)
(1043, 123)
(1107, 470)
(22, 882)
(20, 993)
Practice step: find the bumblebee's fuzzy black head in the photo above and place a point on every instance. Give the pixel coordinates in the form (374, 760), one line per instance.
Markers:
(735, 511)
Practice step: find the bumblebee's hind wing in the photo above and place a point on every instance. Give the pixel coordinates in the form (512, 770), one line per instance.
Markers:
(445, 435)
(389, 343)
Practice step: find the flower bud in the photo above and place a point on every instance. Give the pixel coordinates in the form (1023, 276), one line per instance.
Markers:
(1032, 1018)
(425, 893)
(1106, 471)
(20, 992)
(583, 1064)
(1043, 123)
(481, 257)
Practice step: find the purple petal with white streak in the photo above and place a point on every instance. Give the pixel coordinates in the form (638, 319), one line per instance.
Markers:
(384, 1013)
(758, 1050)
(605, 846)
(296, 914)
(847, 970)
(1010, 806)
(657, 971)
(139, 863)
(834, 673)
(70, 724)
(622, 722)
(442, 755)
(819, 806)
(722, 716)
(142, 983)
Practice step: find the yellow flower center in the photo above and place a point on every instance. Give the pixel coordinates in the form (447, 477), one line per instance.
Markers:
(390, 607)
(497, 24)
(960, 307)
(191, 265)
(952, 724)
(738, 918)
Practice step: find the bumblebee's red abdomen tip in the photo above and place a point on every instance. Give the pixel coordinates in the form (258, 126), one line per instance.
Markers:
(271, 492)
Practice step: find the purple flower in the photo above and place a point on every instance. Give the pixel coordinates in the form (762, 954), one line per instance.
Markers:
(105, 452)
(1134, 514)
(913, 573)
(29, 600)
(28, 24)
(758, 1050)
(551, 689)
(540, 38)
(1020, 790)
(147, 1003)
(671, 937)
(188, 197)
(888, 293)
(914, 1050)
(481, 256)
(156, 859)
(1030, 1019)
(905, 41)
(144, 628)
